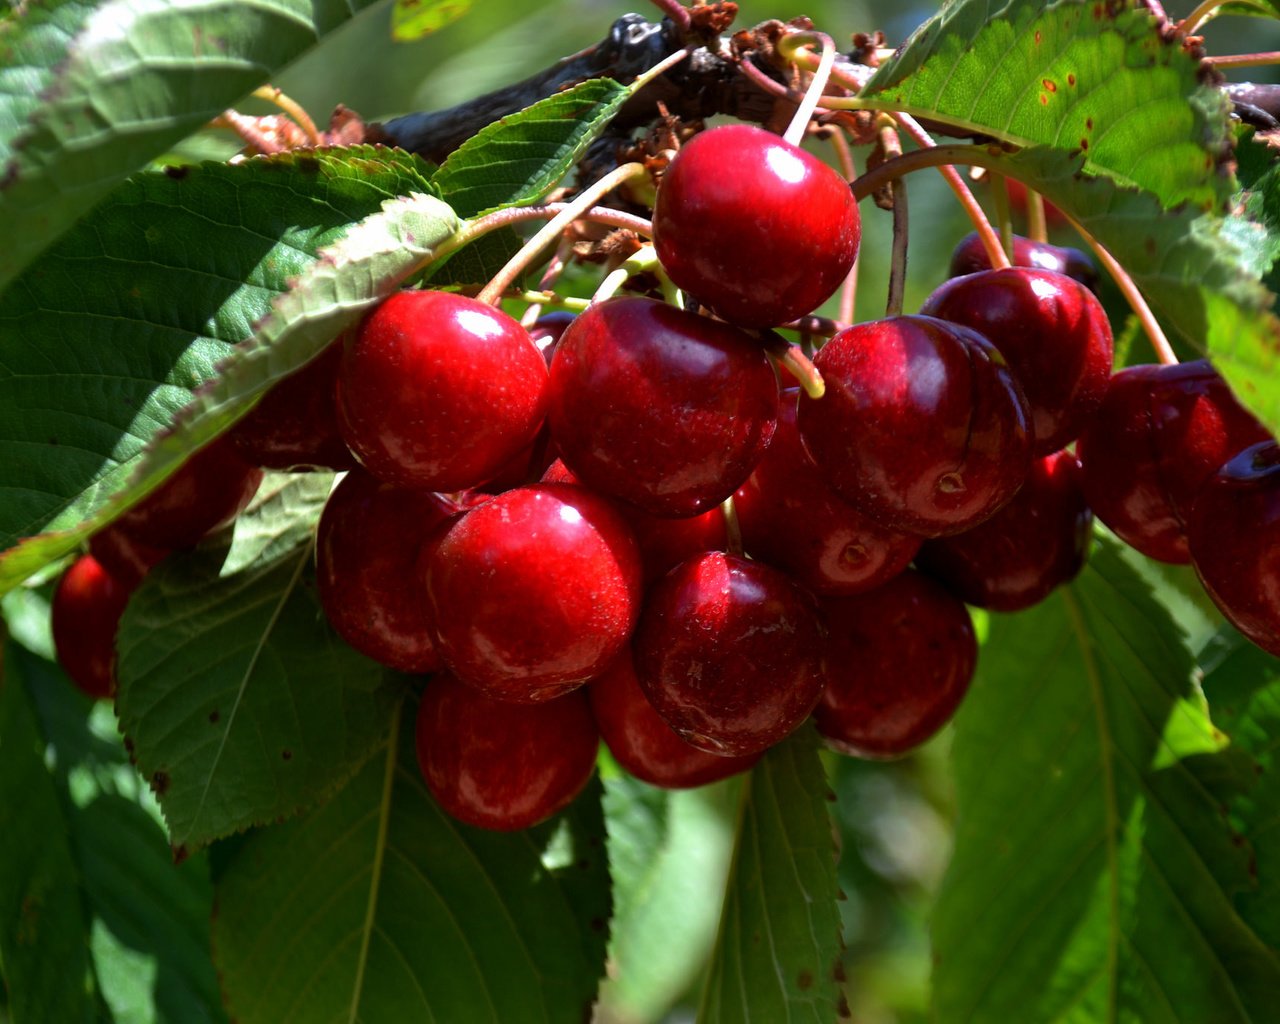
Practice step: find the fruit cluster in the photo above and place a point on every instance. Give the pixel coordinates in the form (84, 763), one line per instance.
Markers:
(530, 512)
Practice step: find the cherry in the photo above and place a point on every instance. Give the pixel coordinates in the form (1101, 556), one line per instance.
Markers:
(87, 607)
(922, 427)
(1054, 334)
(535, 591)
(970, 257)
(124, 557)
(546, 330)
(753, 227)
(1233, 531)
(1032, 545)
(367, 574)
(665, 409)
(793, 520)
(438, 391)
(642, 742)
(503, 766)
(902, 658)
(296, 422)
(730, 652)
(1160, 433)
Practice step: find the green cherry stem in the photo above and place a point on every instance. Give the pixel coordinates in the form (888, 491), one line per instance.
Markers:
(1004, 215)
(642, 261)
(294, 109)
(789, 47)
(732, 528)
(1037, 224)
(1200, 15)
(793, 357)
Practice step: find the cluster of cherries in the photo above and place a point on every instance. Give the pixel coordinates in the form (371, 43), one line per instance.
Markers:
(540, 518)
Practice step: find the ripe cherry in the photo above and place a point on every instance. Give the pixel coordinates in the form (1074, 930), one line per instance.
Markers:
(503, 766)
(665, 409)
(753, 227)
(901, 661)
(970, 257)
(535, 591)
(87, 607)
(730, 652)
(439, 391)
(123, 556)
(922, 427)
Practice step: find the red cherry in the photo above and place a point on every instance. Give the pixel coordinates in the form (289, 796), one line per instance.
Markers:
(1160, 433)
(922, 427)
(124, 557)
(665, 409)
(642, 742)
(535, 591)
(753, 227)
(503, 766)
(1032, 545)
(87, 607)
(546, 330)
(791, 518)
(901, 661)
(730, 652)
(1233, 531)
(970, 257)
(1054, 333)
(439, 391)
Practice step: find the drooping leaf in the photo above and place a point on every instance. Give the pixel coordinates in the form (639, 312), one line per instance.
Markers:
(779, 944)
(1258, 229)
(1076, 76)
(413, 19)
(1095, 870)
(240, 704)
(91, 91)
(118, 328)
(377, 906)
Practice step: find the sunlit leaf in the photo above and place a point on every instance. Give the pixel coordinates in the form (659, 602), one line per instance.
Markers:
(413, 19)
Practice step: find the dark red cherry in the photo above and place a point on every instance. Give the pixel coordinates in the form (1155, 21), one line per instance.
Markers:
(970, 257)
(535, 591)
(1233, 531)
(1032, 545)
(503, 766)
(1160, 433)
(642, 742)
(730, 652)
(296, 422)
(124, 557)
(546, 330)
(901, 661)
(210, 489)
(662, 408)
(790, 518)
(1052, 331)
(87, 607)
(439, 391)
(753, 227)
(367, 575)
(922, 427)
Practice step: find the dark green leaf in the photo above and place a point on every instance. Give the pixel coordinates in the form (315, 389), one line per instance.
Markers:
(779, 944)
(476, 263)
(1095, 870)
(1259, 200)
(413, 19)
(241, 705)
(377, 906)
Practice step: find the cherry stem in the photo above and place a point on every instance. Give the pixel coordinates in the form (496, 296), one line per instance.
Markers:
(294, 109)
(1000, 193)
(639, 262)
(1200, 15)
(678, 13)
(1245, 60)
(789, 48)
(892, 146)
(549, 278)
(844, 157)
(732, 528)
(542, 297)
(661, 68)
(794, 359)
(1037, 224)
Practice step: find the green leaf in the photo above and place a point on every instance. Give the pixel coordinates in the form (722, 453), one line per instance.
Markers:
(91, 91)
(1252, 8)
(1077, 76)
(779, 943)
(114, 332)
(240, 704)
(1094, 870)
(1259, 201)
(519, 159)
(413, 19)
(378, 906)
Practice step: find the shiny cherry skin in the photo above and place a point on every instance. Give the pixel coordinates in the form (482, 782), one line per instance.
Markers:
(730, 652)
(901, 661)
(87, 607)
(1017, 557)
(665, 409)
(922, 428)
(367, 571)
(756, 229)
(210, 489)
(791, 519)
(546, 331)
(1233, 531)
(295, 425)
(1160, 433)
(1052, 331)
(642, 742)
(125, 557)
(503, 766)
(535, 591)
(439, 391)
(970, 257)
